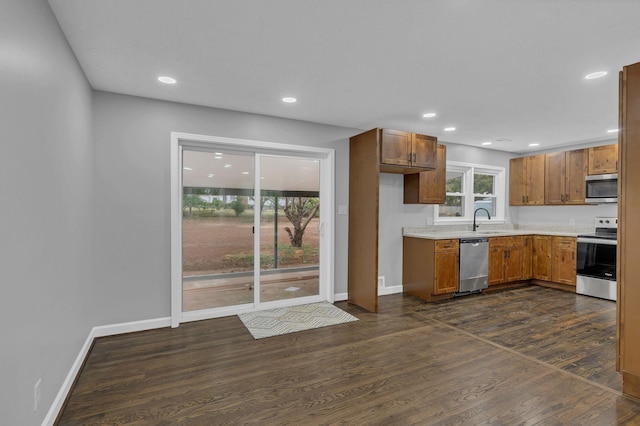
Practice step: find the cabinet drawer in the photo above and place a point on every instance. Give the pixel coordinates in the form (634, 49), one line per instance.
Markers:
(446, 246)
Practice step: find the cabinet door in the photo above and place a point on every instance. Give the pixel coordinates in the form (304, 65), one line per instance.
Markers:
(428, 187)
(446, 273)
(527, 257)
(541, 260)
(513, 264)
(534, 184)
(575, 174)
(424, 151)
(497, 254)
(516, 182)
(603, 159)
(395, 148)
(554, 178)
(563, 267)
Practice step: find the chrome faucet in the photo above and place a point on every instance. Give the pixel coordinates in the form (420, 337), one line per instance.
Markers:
(474, 217)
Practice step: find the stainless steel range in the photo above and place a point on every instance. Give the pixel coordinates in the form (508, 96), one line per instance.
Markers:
(596, 261)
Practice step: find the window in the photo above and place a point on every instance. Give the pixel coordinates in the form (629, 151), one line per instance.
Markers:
(470, 187)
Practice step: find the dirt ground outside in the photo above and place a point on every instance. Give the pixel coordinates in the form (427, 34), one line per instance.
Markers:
(213, 245)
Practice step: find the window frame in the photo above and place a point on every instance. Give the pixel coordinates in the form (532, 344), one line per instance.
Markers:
(468, 170)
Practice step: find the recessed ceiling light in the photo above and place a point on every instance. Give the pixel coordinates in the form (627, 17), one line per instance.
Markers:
(245, 173)
(210, 175)
(187, 168)
(218, 157)
(226, 166)
(289, 100)
(429, 115)
(596, 74)
(534, 144)
(166, 79)
(449, 129)
(217, 153)
(486, 143)
(612, 131)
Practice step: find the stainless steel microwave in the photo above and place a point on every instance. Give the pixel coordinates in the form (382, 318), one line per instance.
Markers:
(602, 189)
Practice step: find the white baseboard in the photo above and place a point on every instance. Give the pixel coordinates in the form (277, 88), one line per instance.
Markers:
(339, 297)
(100, 331)
(384, 291)
(130, 327)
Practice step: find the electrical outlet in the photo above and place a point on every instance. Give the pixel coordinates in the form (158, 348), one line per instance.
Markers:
(381, 281)
(37, 394)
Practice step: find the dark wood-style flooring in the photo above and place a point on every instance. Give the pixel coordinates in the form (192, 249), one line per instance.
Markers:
(528, 356)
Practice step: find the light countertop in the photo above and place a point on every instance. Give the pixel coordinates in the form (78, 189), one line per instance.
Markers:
(457, 234)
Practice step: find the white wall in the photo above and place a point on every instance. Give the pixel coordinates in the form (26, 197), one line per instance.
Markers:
(45, 187)
(132, 232)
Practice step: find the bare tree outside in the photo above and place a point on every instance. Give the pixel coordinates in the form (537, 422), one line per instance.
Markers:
(299, 211)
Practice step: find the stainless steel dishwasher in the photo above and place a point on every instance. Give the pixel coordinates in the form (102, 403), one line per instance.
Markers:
(474, 265)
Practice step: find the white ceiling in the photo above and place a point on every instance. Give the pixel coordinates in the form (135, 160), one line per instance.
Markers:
(494, 69)
(228, 170)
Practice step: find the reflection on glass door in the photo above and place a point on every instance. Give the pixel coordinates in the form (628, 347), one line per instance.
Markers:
(217, 229)
(289, 227)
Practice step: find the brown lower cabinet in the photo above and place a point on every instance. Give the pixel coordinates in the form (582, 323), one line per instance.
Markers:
(430, 268)
(563, 266)
(506, 256)
(541, 257)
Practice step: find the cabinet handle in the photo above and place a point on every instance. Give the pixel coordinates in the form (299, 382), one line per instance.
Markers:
(409, 158)
(414, 157)
(523, 198)
(562, 198)
(566, 198)
(616, 164)
(527, 198)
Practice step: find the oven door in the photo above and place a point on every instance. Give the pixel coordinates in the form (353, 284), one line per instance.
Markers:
(597, 258)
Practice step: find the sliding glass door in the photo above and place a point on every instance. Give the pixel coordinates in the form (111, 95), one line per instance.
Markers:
(289, 227)
(217, 229)
(241, 206)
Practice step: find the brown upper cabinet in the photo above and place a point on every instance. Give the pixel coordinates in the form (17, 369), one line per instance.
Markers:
(405, 152)
(428, 187)
(564, 177)
(526, 177)
(603, 159)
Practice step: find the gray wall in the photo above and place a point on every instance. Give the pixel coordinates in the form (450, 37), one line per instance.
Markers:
(394, 215)
(132, 204)
(45, 185)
